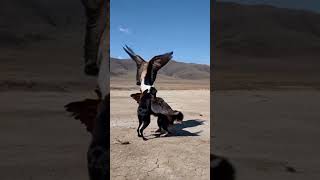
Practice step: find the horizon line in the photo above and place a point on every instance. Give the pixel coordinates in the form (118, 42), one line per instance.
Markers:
(172, 60)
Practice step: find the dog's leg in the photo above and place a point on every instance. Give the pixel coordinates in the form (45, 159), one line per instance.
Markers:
(165, 127)
(165, 124)
(142, 113)
(146, 122)
(159, 121)
(140, 123)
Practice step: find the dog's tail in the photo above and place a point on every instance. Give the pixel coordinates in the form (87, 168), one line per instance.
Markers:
(177, 115)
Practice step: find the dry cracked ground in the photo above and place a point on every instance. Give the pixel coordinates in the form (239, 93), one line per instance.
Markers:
(268, 134)
(182, 156)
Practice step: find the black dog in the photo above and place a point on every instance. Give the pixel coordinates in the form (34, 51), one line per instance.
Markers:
(150, 104)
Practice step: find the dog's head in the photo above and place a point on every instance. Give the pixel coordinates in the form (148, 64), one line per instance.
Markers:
(137, 96)
(147, 71)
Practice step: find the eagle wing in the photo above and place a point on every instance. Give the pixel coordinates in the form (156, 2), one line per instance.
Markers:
(136, 97)
(85, 111)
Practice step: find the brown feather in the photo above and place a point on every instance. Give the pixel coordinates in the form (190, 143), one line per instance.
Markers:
(85, 111)
(136, 97)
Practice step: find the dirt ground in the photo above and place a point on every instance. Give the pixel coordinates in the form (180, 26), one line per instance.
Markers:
(268, 134)
(183, 156)
(39, 140)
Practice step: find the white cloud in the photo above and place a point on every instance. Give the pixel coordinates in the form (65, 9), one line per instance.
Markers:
(124, 30)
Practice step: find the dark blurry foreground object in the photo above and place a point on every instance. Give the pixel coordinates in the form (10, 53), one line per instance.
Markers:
(97, 54)
(85, 111)
(221, 168)
(95, 26)
(98, 153)
(94, 114)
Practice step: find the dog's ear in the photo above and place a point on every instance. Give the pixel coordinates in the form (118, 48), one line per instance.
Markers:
(139, 60)
(159, 61)
(136, 97)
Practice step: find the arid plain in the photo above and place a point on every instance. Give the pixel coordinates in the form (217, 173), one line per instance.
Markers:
(185, 155)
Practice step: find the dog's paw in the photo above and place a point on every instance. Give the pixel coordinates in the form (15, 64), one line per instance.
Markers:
(167, 134)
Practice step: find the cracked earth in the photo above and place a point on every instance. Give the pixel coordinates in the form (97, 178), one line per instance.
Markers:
(183, 156)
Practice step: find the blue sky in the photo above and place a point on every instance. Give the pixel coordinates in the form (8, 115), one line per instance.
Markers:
(153, 27)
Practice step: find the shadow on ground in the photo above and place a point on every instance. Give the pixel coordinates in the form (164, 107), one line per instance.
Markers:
(179, 128)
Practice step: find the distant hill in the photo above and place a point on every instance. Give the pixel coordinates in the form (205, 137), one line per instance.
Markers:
(174, 69)
(263, 30)
(262, 46)
(32, 14)
(36, 20)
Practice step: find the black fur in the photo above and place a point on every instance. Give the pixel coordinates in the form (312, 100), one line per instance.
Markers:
(150, 104)
(144, 112)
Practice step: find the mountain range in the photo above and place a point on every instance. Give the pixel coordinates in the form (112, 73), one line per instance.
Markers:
(174, 69)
